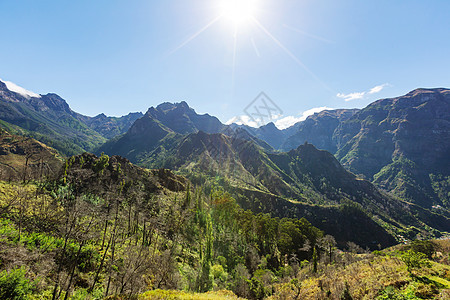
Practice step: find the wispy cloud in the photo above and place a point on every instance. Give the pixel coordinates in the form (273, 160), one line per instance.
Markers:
(378, 88)
(351, 96)
(360, 95)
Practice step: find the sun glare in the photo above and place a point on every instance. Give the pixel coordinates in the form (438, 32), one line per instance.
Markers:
(242, 15)
(238, 12)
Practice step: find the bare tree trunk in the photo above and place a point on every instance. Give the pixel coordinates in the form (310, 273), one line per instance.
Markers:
(100, 267)
(55, 290)
(110, 266)
(72, 272)
(106, 251)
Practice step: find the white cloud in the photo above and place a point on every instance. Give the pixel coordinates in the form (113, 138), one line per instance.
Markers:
(288, 121)
(243, 120)
(19, 90)
(378, 88)
(282, 123)
(360, 95)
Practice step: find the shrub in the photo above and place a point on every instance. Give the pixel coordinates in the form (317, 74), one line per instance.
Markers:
(14, 284)
(101, 164)
(414, 260)
(426, 247)
(390, 293)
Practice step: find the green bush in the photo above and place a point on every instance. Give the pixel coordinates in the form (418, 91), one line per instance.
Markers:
(414, 260)
(426, 247)
(101, 164)
(390, 293)
(14, 284)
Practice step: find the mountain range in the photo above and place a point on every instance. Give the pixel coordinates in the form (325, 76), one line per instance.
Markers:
(49, 119)
(401, 144)
(368, 175)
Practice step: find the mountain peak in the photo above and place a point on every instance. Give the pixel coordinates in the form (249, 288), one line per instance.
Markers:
(54, 102)
(138, 114)
(167, 106)
(100, 116)
(183, 119)
(270, 126)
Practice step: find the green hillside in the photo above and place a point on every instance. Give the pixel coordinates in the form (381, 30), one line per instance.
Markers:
(106, 228)
(305, 182)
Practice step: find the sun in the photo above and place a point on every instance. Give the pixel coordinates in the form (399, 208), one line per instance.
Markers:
(238, 12)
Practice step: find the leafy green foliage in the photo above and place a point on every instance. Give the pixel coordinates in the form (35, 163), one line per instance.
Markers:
(414, 260)
(101, 163)
(426, 247)
(14, 285)
(390, 293)
(115, 223)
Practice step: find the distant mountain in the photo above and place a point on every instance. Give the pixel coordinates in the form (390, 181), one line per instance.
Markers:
(145, 136)
(110, 127)
(403, 145)
(49, 119)
(163, 127)
(318, 130)
(268, 133)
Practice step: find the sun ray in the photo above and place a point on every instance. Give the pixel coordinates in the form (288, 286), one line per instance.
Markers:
(290, 54)
(316, 37)
(255, 48)
(192, 37)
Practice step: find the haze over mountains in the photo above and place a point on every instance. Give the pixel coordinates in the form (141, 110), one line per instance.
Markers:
(400, 146)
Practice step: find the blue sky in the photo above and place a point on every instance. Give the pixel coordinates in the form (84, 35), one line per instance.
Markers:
(121, 56)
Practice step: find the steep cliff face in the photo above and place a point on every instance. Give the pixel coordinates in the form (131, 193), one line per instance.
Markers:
(403, 144)
(319, 130)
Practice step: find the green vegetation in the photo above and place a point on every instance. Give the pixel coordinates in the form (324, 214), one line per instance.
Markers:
(107, 228)
(413, 260)
(378, 275)
(14, 284)
(141, 231)
(305, 182)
